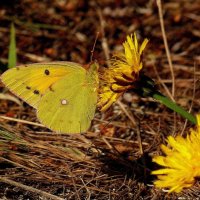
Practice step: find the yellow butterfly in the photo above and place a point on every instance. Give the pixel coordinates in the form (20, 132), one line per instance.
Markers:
(64, 93)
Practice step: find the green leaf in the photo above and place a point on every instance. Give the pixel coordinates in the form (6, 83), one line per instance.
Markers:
(173, 106)
(145, 87)
(12, 55)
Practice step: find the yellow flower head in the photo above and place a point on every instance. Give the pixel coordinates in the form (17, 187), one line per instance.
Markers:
(122, 72)
(181, 165)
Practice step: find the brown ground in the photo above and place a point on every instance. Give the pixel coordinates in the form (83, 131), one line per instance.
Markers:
(109, 165)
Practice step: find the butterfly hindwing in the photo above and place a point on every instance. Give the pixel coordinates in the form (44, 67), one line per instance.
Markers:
(30, 82)
(73, 106)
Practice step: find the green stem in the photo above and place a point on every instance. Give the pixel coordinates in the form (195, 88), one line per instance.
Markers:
(146, 87)
(173, 106)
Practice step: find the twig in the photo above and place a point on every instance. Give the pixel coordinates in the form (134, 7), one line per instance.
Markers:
(104, 42)
(75, 188)
(27, 168)
(107, 143)
(134, 124)
(193, 96)
(162, 83)
(21, 121)
(30, 189)
(126, 112)
(85, 186)
(166, 45)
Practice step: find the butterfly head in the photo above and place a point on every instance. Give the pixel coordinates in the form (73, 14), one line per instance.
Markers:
(92, 72)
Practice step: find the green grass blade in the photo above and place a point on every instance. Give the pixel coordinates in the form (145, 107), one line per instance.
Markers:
(12, 55)
(145, 87)
(173, 106)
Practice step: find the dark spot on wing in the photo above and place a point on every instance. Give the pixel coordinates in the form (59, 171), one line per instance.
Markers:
(28, 88)
(47, 72)
(17, 68)
(51, 89)
(36, 92)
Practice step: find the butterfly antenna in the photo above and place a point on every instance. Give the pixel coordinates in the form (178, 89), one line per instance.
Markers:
(92, 51)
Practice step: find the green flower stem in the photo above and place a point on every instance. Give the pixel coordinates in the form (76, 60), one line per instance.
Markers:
(146, 87)
(173, 106)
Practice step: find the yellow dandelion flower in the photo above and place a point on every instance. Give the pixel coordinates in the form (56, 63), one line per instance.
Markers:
(181, 163)
(122, 72)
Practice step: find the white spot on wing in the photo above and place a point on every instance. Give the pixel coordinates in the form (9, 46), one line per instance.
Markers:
(64, 102)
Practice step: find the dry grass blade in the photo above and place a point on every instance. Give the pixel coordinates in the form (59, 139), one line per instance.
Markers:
(131, 118)
(104, 42)
(21, 121)
(166, 45)
(30, 189)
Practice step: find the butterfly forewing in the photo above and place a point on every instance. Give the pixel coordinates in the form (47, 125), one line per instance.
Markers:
(30, 82)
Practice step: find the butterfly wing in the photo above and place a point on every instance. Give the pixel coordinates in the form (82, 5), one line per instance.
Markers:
(69, 105)
(30, 82)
